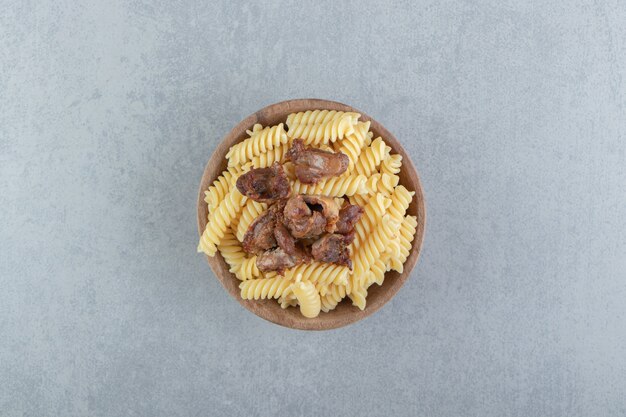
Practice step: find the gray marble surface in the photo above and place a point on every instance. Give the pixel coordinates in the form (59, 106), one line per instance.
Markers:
(514, 113)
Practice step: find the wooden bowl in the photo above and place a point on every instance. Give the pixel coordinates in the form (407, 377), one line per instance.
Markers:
(344, 313)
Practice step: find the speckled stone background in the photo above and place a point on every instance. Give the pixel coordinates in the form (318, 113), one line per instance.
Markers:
(514, 113)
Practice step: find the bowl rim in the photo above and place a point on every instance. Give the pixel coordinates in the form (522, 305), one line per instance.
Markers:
(264, 308)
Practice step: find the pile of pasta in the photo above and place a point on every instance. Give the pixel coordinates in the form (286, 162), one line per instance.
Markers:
(383, 235)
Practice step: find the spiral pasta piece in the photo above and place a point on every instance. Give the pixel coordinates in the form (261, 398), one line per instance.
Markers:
(333, 296)
(249, 213)
(370, 158)
(300, 188)
(378, 270)
(359, 199)
(340, 186)
(221, 186)
(359, 297)
(262, 288)
(405, 238)
(289, 300)
(346, 185)
(326, 148)
(231, 251)
(321, 126)
(376, 243)
(247, 269)
(219, 220)
(391, 164)
(320, 272)
(261, 140)
(354, 143)
(266, 159)
(381, 183)
(373, 212)
(308, 298)
(400, 200)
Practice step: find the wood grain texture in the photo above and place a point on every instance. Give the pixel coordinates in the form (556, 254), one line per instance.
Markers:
(344, 313)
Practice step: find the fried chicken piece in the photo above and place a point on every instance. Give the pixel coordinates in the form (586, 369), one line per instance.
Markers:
(301, 221)
(349, 215)
(333, 248)
(265, 185)
(312, 165)
(260, 233)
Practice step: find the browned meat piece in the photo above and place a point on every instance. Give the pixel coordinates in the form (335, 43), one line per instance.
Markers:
(312, 165)
(349, 215)
(284, 240)
(301, 221)
(275, 260)
(328, 207)
(333, 248)
(260, 234)
(278, 260)
(265, 185)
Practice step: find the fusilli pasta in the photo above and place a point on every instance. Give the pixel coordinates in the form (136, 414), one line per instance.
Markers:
(308, 299)
(266, 159)
(354, 143)
(231, 251)
(400, 200)
(219, 220)
(260, 141)
(375, 244)
(221, 186)
(383, 235)
(334, 187)
(321, 126)
(381, 183)
(373, 212)
(320, 272)
(370, 158)
(405, 237)
(249, 213)
(247, 269)
(262, 288)
(334, 295)
(391, 164)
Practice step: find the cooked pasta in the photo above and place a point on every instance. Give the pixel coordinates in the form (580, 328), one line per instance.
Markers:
(268, 158)
(391, 164)
(250, 211)
(371, 157)
(231, 251)
(375, 244)
(321, 126)
(381, 183)
(261, 140)
(258, 289)
(373, 213)
(334, 187)
(320, 272)
(400, 200)
(289, 300)
(405, 237)
(308, 298)
(354, 143)
(359, 199)
(358, 297)
(378, 270)
(383, 235)
(332, 297)
(219, 220)
(247, 269)
(216, 192)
